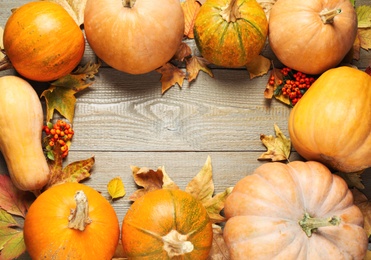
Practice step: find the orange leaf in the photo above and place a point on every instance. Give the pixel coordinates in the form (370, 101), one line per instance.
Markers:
(183, 52)
(190, 10)
(171, 75)
(194, 64)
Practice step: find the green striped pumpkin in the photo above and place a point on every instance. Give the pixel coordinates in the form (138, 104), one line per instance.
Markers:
(230, 40)
(167, 219)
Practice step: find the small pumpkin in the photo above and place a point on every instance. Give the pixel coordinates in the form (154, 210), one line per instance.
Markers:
(21, 122)
(230, 33)
(71, 221)
(166, 223)
(42, 41)
(298, 210)
(312, 36)
(332, 122)
(134, 36)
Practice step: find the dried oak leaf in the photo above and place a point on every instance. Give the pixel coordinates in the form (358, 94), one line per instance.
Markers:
(201, 187)
(171, 75)
(278, 147)
(116, 188)
(73, 172)
(13, 200)
(365, 206)
(194, 64)
(150, 180)
(219, 250)
(75, 8)
(60, 95)
(11, 237)
(258, 66)
(190, 10)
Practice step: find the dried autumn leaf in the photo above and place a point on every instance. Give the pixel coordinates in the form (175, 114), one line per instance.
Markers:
(171, 75)
(202, 188)
(365, 38)
(267, 6)
(150, 180)
(116, 188)
(278, 148)
(269, 88)
(183, 52)
(194, 64)
(75, 8)
(364, 16)
(11, 237)
(190, 10)
(13, 200)
(365, 206)
(61, 94)
(73, 172)
(353, 179)
(219, 250)
(258, 66)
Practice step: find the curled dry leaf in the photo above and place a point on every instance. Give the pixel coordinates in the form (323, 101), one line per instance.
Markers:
(190, 10)
(278, 148)
(353, 179)
(75, 8)
(183, 52)
(194, 64)
(258, 66)
(171, 75)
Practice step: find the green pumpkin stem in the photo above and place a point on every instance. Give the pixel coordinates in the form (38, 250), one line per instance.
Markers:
(231, 12)
(327, 16)
(311, 225)
(128, 3)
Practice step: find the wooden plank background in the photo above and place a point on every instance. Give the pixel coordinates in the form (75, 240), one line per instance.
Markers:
(124, 120)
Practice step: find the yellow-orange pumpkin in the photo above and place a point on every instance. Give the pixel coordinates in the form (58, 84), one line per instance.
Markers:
(42, 41)
(298, 210)
(164, 224)
(332, 121)
(52, 231)
(230, 33)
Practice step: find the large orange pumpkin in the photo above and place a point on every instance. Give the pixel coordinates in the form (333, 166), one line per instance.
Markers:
(312, 36)
(230, 33)
(298, 210)
(71, 221)
(332, 121)
(42, 41)
(164, 224)
(134, 36)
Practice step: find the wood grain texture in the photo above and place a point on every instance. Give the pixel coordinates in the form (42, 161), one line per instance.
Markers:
(124, 120)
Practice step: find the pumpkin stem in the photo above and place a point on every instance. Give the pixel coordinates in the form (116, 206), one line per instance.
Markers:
(128, 3)
(79, 217)
(231, 12)
(327, 16)
(176, 244)
(310, 225)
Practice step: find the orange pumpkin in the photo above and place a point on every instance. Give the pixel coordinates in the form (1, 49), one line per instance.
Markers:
(230, 33)
(166, 223)
(42, 41)
(312, 36)
(332, 122)
(298, 210)
(71, 221)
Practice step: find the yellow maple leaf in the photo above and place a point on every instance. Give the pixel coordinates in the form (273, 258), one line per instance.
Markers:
(116, 188)
(278, 147)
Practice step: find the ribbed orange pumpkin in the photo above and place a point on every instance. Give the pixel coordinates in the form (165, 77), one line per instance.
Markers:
(167, 223)
(42, 41)
(331, 123)
(293, 211)
(91, 231)
(230, 33)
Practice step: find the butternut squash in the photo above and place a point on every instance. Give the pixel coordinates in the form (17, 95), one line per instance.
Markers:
(21, 122)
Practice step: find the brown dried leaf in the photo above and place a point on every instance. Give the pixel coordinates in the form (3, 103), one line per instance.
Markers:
(171, 75)
(365, 38)
(150, 180)
(353, 179)
(183, 52)
(190, 10)
(219, 250)
(278, 147)
(75, 8)
(194, 65)
(267, 6)
(365, 206)
(258, 67)
(269, 89)
(202, 188)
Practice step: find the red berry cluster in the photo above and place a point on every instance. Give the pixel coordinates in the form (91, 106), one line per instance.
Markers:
(61, 133)
(294, 84)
